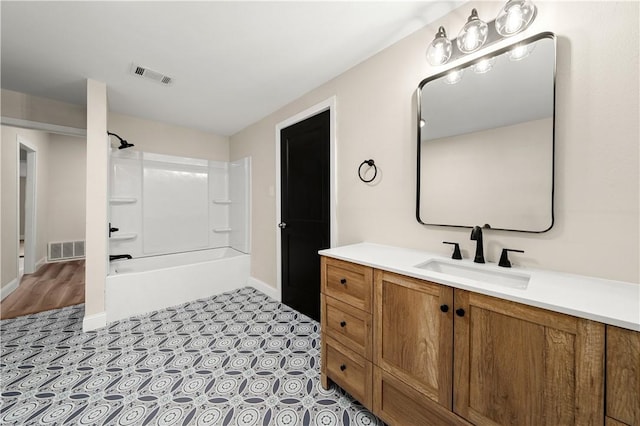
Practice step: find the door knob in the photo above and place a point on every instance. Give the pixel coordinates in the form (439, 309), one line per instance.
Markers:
(282, 225)
(343, 367)
(444, 308)
(343, 323)
(460, 312)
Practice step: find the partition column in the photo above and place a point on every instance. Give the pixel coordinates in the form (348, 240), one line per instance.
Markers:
(97, 218)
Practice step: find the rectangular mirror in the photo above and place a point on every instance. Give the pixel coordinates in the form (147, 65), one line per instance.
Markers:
(486, 140)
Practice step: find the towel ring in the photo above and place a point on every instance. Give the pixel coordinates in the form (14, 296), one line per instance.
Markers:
(369, 163)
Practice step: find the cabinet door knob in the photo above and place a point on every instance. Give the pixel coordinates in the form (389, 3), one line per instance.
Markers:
(444, 308)
(343, 281)
(343, 367)
(460, 312)
(343, 323)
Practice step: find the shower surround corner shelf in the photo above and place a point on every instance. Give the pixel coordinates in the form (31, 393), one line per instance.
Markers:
(129, 236)
(123, 200)
(222, 230)
(221, 201)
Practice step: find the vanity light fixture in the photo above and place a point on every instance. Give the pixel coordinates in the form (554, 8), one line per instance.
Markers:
(473, 35)
(515, 17)
(439, 51)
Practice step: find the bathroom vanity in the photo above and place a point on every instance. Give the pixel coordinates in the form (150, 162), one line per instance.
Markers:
(419, 344)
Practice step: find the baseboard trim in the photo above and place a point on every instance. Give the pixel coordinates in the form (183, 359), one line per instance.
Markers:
(40, 262)
(94, 322)
(265, 288)
(9, 288)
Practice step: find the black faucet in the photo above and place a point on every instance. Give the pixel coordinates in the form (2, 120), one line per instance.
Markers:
(476, 234)
(119, 256)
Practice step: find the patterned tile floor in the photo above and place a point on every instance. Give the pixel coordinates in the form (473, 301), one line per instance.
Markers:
(239, 358)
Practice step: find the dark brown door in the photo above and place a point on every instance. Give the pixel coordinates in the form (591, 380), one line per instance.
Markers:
(304, 151)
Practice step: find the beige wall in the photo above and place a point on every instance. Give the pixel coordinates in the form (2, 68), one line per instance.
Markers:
(39, 141)
(161, 138)
(67, 188)
(596, 231)
(27, 107)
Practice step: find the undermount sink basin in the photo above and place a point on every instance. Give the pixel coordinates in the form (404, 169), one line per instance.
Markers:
(487, 273)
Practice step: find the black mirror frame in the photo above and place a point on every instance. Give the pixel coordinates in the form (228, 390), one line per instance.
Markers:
(539, 36)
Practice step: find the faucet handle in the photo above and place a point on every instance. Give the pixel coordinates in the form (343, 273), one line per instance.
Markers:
(504, 257)
(456, 250)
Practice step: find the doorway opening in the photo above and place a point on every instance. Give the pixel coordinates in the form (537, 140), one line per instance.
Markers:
(27, 190)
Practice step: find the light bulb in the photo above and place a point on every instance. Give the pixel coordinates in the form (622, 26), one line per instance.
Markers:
(520, 52)
(484, 65)
(473, 34)
(515, 16)
(439, 51)
(514, 19)
(454, 76)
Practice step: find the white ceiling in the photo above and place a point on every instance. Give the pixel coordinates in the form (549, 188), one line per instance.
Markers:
(232, 62)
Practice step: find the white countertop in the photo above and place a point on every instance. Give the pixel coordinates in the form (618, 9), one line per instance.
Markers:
(611, 302)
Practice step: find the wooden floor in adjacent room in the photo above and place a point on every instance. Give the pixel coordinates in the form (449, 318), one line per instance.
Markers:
(53, 286)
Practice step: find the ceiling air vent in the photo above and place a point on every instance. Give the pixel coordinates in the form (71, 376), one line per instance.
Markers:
(150, 74)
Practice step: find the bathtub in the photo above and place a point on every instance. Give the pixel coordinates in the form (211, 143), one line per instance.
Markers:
(147, 284)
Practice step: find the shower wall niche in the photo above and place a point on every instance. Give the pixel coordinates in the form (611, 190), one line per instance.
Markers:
(167, 204)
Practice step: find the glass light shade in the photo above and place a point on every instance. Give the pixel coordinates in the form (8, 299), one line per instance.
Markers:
(484, 65)
(454, 76)
(439, 51)
(520, 52)
(515, 16)
(473, 35)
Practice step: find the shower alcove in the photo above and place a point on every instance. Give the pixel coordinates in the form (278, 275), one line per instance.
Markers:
(185, 223)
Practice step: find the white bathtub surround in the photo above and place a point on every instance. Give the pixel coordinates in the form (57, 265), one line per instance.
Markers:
(147, 284)
(167, 204)
(611, 302)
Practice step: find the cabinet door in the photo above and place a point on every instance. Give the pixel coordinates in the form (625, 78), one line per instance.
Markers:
(413, 333)
(623, 376)
(520, 365)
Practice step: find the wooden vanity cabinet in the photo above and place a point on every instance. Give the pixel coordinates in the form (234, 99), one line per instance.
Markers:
(519, 365)
(439, 356)
(622, 377)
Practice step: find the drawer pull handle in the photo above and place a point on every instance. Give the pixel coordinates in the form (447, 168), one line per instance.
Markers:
(444, 308)
(343, 281)
(460, 312)
(343, 367)
(343, 323)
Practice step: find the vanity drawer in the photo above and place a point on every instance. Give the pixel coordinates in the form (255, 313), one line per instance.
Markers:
(348, 325)
(348, 282)
(348, 370)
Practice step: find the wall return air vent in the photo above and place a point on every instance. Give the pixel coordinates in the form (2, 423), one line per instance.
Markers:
(145, 72)
(65, 250)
